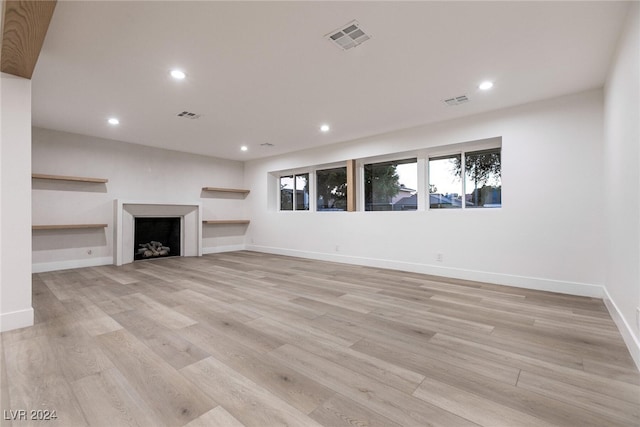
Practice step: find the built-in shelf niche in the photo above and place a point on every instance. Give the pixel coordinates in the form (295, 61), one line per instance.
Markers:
(225, 221)
(226, 190)
(70, 178)
(67, 226)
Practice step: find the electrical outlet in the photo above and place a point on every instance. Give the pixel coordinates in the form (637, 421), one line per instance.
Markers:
(439, 257)
(638, 317)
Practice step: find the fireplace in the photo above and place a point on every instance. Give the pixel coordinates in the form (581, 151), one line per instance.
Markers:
(127, 212)
(156, 237)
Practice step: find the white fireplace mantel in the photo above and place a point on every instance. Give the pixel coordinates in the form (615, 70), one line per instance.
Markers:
(126, 211)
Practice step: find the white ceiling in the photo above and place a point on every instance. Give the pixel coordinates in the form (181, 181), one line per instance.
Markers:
(263, 72)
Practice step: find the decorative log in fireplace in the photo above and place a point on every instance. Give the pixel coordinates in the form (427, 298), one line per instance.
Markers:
(153, 250)
(156, 237)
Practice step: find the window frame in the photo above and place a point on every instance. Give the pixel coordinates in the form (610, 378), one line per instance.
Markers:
(317, 169)
(428, 186)
(422, 156)
(294, 174)
(400, 158)
(462, 149)
(464, 174)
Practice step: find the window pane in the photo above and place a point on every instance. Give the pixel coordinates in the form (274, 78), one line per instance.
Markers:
(391, 185)
(302, 192)
(483, 179)
(332, 189)
(445, 182)
(286, 193)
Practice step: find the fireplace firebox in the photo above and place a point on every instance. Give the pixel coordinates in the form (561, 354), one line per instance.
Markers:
(156, 237)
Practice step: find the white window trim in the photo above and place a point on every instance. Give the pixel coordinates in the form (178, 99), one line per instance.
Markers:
(488, 144)
(422, 156)
(360, 163)
(314, 171)
(293, 173)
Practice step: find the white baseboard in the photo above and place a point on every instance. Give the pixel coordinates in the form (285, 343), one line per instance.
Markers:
(542, 284)
(623, 326)
(94, 262)
(536, 283)
(66, 265)
(16, 319)
(219, 249)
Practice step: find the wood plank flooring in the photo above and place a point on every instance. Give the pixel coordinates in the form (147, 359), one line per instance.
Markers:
(250, 339)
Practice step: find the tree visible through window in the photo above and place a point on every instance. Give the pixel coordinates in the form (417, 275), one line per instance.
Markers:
(302, 192)
(388, 185)
(286, 193)
(331, 186)
(445, 184)
(468, 179)
(294, 192)
(483, 179)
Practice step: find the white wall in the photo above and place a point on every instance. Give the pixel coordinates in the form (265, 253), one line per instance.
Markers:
(15, 203)
(135, 173)
(548, 235)
(622, 182)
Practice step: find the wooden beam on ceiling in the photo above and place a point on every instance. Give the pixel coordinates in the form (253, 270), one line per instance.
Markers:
(24, 26)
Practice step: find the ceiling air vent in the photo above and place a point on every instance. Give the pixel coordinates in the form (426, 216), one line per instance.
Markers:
(189, 115)
(348, 36)
(457, 100)
(266, 144)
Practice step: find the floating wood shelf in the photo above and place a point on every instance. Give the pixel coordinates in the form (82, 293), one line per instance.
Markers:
(226, 190)
(70, 178)
(67, 226)
(226, 221)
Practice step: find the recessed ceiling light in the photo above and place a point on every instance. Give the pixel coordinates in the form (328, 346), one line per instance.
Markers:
(244, 148)
(485, 85)
(113, 121)
(178, 74)
(324, 128)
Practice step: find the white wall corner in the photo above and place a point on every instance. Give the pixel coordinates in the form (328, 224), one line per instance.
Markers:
(16, 319)
(15, 198)
(630, 339)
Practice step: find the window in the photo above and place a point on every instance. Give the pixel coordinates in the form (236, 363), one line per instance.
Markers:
(445, 183)
(391, 186)
(483, 179)
(294, 192)
(455, 178)
(286, 193)
(331, 185)
(302, 192)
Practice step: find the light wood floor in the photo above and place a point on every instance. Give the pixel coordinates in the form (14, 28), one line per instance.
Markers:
(248, 339)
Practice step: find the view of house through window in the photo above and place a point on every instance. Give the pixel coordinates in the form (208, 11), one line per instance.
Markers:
(471, 179)
(331, 186)
(286, 193)
(483, 179)
(294, 192)
(445, 184)
(302, 192)
(391, 186)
